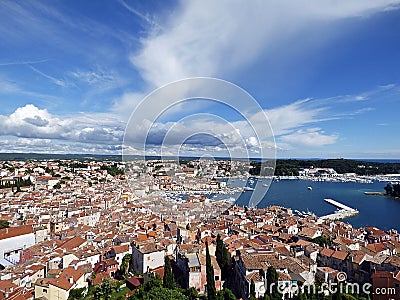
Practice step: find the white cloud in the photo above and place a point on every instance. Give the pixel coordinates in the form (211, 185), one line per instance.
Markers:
(299, 113)
(31, 122)
(56, 81)
(201, 38)
(210, 38)
(93, 77)
(215, 38)
(290, 124)
(27, 145)
(126, 104)
(313, 137)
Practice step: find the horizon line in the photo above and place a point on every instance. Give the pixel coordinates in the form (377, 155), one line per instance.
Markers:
(194, 156)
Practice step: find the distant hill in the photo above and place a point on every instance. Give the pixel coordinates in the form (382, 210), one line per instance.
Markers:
(46, 156)
(360, 167)
(283, 166)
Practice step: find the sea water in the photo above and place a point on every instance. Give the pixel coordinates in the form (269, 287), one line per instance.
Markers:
(379, 211)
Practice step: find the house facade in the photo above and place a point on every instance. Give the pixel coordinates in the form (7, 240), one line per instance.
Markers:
(147, 257)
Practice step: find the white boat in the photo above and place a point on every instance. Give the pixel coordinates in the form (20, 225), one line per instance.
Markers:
(309, 188)
(246, 188)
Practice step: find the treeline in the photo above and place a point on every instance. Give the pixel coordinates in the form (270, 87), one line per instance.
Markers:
(393, 190)
(288, 167)
(18, 183)
(113, 170)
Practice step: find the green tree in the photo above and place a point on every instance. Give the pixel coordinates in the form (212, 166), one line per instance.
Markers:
(266, 297)
(219, 250)
(272, 278)
(77, 294)
(389, 189)
(226, 294)
(222, 256)
(159, 293)
(322, 241)
(211, 292)
(252, 290)
(396, 190)
(168, 281)
(104, 290)
(302, 296)
(192, 293)
(18, 186)
(153, 290)
(124, 268)
(337, 295)
(350, 297)
(4, 224)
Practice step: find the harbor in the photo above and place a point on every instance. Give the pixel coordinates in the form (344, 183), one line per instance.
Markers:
(295, 194)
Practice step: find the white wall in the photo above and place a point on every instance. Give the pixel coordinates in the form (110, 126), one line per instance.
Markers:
(153, 260)
(16, 243)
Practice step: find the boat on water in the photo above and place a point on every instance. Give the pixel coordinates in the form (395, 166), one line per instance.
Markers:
(246, 188)
(309, 188)
(299, 213)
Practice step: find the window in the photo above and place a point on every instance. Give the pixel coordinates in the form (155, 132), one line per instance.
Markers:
(217, 277)
(148, 257)
(44, 290)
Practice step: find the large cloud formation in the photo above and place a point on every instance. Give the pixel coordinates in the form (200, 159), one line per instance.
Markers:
(38, 124)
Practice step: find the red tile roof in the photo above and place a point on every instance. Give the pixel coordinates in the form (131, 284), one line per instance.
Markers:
(73, 243)
(327, 252)
(6, 233)
(376, 247)
(340, 255)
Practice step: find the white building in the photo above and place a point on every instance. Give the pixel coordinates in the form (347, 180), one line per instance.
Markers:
(13, 240)
(322, 172)
(89, 219)
(147, 257)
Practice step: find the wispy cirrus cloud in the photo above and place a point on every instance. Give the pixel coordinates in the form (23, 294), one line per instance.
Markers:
(199, 41)
(209, 38)
(149, 20)
(56, 81)
(196, 38)
(92, 77)
(311, 137)
(10, 87)
(27, 62)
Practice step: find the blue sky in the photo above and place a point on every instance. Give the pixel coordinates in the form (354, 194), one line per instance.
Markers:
(327, 75)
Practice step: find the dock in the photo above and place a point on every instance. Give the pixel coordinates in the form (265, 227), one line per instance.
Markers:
(375, 194)
(343, 211)
(338, 204)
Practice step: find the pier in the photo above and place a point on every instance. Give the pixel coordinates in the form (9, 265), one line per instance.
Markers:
(338, 204)
(343, 211)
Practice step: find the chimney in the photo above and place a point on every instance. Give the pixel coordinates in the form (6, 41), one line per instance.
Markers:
(71, 280)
